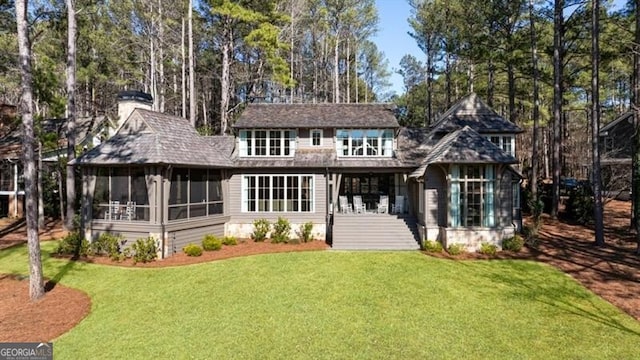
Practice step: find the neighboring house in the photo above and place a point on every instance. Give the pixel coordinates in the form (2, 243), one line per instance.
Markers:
(453, 182)
(90, 131)
(615, 155)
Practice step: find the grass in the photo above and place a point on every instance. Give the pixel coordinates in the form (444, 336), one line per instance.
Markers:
(366, 305)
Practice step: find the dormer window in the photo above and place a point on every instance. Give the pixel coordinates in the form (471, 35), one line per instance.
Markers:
(364, 142)
(505, 142)
(267, 142)
(316, 137)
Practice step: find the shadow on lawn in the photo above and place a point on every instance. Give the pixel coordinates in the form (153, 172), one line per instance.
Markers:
(521, 283)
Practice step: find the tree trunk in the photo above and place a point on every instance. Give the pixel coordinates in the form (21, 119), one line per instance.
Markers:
(348, 71)
(636, 138)
(71, 114)
(192, 75)
(491, 83)
(40, 199)
(224, 82)
(536, 104)
(428, 113)
(36, 287)
(160, 59)
(511, 83)
(336, 73)
(595, 122)
(184, 72)
(558, 52)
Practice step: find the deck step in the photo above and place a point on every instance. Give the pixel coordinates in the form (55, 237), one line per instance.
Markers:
(374, 232)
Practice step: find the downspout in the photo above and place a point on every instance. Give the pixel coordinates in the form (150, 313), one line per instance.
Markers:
(329, 226)
(162, 213)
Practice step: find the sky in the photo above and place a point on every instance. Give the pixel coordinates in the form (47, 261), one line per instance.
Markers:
(393, 38)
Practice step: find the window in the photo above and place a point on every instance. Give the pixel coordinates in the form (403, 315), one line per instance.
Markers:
(505, 142)
(121, 194)
(472, 196)
(277, 193)
(316, 137)
(194, 193)
(359, 142)
(267, 143)
(608, 144)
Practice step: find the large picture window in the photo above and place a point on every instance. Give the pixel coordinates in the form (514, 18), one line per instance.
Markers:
(121, 195)
(360, 142)
(472, 196)
(277, 193)
(267, 142)
(195, 193)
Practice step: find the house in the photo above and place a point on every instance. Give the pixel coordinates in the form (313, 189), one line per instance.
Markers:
(453, 182)
(90, 131)
(615, 155)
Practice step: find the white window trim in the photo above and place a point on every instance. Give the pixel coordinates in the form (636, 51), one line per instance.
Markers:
(380, 147)
(292, 143)
(312, 195)
(502, 139)
(318, 131)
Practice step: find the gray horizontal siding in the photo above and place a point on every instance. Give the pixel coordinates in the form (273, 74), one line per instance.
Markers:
(177, 239)
(304, 139)
(130, 231)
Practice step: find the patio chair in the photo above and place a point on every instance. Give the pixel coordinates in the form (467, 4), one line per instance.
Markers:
(345, 207)
(113, 212)
(383, 205)
(398, 206)
(358, 206)
(130, 210)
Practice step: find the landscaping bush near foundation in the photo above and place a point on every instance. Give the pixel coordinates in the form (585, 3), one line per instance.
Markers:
(211, 243)
(144, 250)
(488, 249)
(229, 240)
(514, 243)
(455, 249)
(281, 231)
(108, 244)
(304, 233)
(432, 246)
(73, 244)
(260, 229)
(192, 250)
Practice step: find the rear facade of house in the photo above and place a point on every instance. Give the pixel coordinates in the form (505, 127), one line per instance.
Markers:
(453, 182)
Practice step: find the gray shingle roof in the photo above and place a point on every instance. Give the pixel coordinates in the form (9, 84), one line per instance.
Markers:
(464, 146)
(86, 128)
(164, 139)
(616, 121)
(274, 116)
(473, 112)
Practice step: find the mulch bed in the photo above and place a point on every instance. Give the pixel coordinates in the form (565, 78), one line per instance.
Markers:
(54, 314)
(612, 272)
(243, 248)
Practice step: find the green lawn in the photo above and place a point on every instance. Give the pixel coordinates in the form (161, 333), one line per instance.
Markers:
(386, 305)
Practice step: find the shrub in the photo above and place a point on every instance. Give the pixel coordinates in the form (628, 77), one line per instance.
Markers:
(73, 244)
(455, 249)
(211, 243)
(513, 243)
(579, 207)
(192, 250)
(488, 249)
(432, 246)
(260, 229)
(229, 240)
(304, 233)
(144, 250)
(108, 244)
(281, 231)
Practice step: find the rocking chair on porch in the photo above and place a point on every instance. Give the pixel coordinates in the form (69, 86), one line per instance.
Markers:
(383, 205)
(345, 207)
